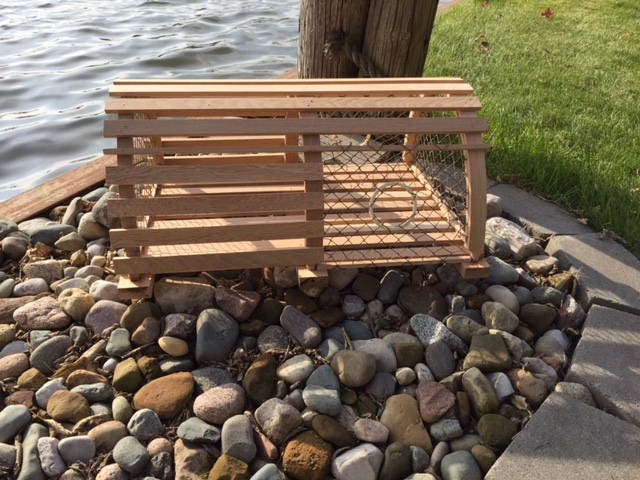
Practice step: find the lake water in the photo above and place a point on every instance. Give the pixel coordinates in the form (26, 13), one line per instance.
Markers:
(58, 58)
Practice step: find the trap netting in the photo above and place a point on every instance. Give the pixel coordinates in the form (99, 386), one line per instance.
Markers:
(394, 198)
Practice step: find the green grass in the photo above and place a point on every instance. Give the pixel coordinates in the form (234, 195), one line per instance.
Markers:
(562, 96)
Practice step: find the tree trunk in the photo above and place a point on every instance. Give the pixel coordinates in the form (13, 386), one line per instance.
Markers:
(397, 35)
(320, 20)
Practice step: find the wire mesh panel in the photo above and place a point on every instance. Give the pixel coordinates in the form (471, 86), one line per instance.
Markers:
(392, 198)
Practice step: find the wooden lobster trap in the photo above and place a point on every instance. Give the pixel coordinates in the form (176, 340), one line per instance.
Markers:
(233, 174)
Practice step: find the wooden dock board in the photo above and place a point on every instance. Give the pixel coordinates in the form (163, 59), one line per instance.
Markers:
(54, 192)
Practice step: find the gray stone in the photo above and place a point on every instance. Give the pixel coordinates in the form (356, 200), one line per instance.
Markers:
(122, 410)
(195, 430)
(77, 449)
(95, 195)
(357, 330)
(41, 314)
(607, 274)
(79, 283)
(370, 430)
(216, 334)
(180, 325)
(274, 337)
(119, 342)
(295, 369)
(322, 400)
(44, 230)
(268, 471)
(104, 290)
(466, 442)
(430, 330)
(439, 452)
(499, 317)
(183, 294)
(79, 335)
(446, 429)
(44, 357)
(541, 217)
(494, 205)
(390, 285)
(277, 419)
(89, 271)
(17, 346)
(95, 392)
(7, 227)
(89, 229)
(131, 455)
(103, 314)
(301, 327)
(48, 270)
(464, 327)
(561, 435)
(362, 463)
(419, 459)
(70, 242)
(603, 360)
(237, 438)
(423, 373)
(7, 456)
(382, 351)
(323, 376)
(145, 424)
(439, 359)
(31, 468)
(353, 306)
(460, 466)
(99, 210)
(13, 418)
(501, 384)
(501, 272)
(422, 300)
(210, 377)
(340, 278)
(6, 287)
(14, 247)
(381, 386)
(547, 295)
(481, 392)
(31, 286)
(175, 365)
(496, 246)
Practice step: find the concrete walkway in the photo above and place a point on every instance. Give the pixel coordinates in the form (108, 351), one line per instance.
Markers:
(566, 439)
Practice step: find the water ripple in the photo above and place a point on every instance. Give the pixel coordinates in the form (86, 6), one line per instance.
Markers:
(59, 59)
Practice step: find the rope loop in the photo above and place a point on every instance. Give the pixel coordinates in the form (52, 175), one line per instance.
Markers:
(380, 189)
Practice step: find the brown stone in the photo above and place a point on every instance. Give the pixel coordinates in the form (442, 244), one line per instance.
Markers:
(84, 377)
(402, 418)
(31, 379)
(106, 435)
(240, 304)
(408, 354)
(434, 400)
(261, 379)
(167, 396)
(192, 461)
(12, 366)
(229, 468)
(10, 305)
(20, 397)
(307, 457)
(65, 406)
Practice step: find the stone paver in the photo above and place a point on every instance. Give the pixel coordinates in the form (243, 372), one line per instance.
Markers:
(607, 273)
(569, 440)
(607, 360)
(541, 217)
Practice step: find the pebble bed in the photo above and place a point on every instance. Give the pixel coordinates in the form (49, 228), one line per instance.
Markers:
(403, 373)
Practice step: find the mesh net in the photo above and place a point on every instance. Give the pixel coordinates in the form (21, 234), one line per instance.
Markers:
(389, 196)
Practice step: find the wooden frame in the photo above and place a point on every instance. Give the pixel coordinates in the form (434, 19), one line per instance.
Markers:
(242, 178)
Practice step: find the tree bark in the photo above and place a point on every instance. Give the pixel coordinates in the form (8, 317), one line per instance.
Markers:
(397, 35)
(319, 20)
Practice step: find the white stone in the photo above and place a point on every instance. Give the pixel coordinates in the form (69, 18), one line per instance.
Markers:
(104, 290)
(295, 369)
(560, 337)
(520, 242)
(360, 463)
(369, 430)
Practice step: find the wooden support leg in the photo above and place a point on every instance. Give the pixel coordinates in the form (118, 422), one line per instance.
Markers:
(471, 270)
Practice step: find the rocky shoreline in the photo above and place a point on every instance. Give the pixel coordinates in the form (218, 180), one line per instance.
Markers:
(384, 374)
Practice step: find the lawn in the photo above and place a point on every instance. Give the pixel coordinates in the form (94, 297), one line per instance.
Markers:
(560, 84)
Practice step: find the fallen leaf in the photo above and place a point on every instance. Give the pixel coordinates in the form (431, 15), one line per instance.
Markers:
(548, 13)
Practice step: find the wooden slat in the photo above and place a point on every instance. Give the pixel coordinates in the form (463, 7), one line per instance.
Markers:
(246, 231)
(275, 106)
(396, 256)
(390, 217)
(267, 257)
(214, 175)
(243, 126)
(370, 228)
(252, 148)
(54, 192)
(216, 204)
(391, 240)
(367, 187)
(220, 141)
(306, 89)
(284, 80)
(258, 158)
(171, 190)
(367, 167)
(339, 206)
